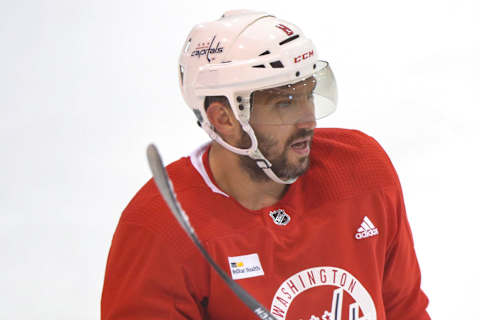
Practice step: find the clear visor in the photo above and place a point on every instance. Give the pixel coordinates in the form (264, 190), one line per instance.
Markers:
(307, 100)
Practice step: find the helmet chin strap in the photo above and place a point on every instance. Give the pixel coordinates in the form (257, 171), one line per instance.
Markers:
(253, 152)
(265, 165)
(269, 172)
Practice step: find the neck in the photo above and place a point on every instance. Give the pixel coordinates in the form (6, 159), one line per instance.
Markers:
(235, 181)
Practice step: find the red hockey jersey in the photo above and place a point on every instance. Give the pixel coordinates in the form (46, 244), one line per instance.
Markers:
(336, 246)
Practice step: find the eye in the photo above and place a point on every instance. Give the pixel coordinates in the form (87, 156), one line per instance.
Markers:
(284, 102)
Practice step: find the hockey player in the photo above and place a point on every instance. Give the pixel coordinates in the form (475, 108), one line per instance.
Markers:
(311, 222)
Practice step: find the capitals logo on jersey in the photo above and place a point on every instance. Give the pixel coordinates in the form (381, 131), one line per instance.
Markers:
(323, 293)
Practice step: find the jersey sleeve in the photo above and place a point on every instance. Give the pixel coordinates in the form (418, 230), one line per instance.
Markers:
(402, 295)
(146, 278)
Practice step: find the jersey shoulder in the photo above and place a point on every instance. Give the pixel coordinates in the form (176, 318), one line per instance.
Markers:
(182, 175)
(348, 162)
(148, 210)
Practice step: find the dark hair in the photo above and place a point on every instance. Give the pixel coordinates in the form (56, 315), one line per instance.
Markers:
(209, 100)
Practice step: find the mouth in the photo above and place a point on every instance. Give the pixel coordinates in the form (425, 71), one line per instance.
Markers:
(301, 146)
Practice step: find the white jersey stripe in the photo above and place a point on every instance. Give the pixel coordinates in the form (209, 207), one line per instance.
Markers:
(196, 159)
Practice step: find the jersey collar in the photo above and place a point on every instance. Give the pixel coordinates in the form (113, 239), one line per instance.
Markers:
(199, 161)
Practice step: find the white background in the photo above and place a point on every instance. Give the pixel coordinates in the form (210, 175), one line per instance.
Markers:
(86, 85)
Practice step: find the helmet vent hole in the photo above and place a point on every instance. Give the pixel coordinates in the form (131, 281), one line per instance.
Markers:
(264, 53)
(259, 66)
(289, 39)
(276, 64)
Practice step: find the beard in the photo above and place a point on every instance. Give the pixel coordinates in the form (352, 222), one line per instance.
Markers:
(281, 166)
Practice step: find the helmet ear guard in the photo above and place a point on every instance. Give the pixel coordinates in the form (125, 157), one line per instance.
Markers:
(204, 123)
(239, 54)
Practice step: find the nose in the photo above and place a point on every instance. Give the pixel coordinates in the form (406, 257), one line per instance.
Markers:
(306, 116)
(306, 123)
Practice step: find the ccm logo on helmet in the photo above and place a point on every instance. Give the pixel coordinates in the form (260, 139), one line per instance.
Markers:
(304, 56)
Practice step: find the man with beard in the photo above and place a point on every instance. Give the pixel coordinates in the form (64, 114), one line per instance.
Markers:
(311, 222)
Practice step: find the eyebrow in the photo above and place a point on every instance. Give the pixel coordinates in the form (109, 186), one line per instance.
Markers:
(273, 96)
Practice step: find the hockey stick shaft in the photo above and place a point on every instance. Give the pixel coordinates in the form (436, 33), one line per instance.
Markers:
(165, 187)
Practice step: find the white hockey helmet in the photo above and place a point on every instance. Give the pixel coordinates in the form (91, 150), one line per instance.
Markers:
(245, 52)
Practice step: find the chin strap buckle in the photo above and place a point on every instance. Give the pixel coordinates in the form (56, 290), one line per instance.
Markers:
(263, 164)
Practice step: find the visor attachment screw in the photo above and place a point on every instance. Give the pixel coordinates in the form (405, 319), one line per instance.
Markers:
(240, 107)
(297, 73)
(239, 99)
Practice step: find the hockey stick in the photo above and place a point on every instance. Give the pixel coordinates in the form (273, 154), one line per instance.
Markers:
(165, 187)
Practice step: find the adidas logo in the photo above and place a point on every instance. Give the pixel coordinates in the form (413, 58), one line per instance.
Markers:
(367, 229)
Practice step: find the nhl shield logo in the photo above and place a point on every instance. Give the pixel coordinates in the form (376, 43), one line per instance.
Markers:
(280, 217)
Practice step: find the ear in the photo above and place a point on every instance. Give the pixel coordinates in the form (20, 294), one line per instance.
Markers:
(224, 122)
